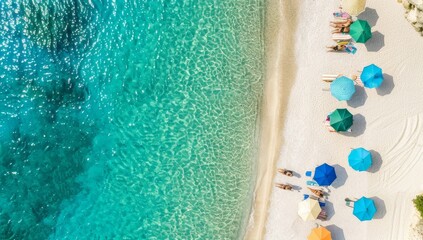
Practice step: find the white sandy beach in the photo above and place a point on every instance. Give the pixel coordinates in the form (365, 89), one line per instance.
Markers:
(386, 121)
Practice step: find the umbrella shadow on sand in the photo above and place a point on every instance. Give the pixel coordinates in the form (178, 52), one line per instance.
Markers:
(358, 127)
(359, 98)
(336, 232)
(376, 161)
(376, 42)
(370, 15)
(380, 206)
(387, 85)
(341, 176)
(330, 211)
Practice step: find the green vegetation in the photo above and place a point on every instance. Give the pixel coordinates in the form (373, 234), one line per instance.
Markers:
(418, 203)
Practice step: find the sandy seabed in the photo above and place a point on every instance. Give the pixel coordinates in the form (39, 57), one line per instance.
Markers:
(386, 122)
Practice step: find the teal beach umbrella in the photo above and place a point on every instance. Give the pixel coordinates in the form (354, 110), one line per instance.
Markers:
(364, 209)
(341, 119)
(342, 88)
(360, 159)
(360, 31)
(372, 76)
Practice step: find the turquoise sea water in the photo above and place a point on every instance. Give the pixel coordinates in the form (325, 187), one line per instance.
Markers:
(128, 119)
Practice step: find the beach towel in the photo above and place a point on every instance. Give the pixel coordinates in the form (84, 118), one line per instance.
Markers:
(340, 14)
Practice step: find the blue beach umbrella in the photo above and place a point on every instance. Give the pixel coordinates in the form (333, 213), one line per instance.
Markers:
(360, 159)
(372, 76)
(342, 88)
(364, 209)
(324, 175)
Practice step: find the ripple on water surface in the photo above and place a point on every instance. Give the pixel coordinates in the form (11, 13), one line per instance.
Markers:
(128, 119)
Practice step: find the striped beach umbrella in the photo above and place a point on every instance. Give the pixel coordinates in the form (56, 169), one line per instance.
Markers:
(324, 175)
(320, 233)
(341, 119)
(364, 209)
(360, 159)
(342, 88)
(372, 76)
(309, 209)
(360, 31)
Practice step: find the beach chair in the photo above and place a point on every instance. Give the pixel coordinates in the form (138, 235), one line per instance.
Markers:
(308, 173)
(341, 37)
(322, 215)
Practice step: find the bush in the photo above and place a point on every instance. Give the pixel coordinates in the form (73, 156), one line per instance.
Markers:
(418, 203)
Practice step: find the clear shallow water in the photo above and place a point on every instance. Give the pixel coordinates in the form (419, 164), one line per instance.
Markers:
(128, 119)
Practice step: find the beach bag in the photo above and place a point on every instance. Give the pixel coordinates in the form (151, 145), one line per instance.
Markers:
(350, 49)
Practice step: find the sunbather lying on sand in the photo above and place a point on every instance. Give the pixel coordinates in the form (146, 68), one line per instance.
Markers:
(341, 23)
(341, 30)
(285, 172)
(335, 48)
(284, 186)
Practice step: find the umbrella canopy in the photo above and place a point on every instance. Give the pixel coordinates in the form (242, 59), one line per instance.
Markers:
(364, 209)
(309, 209)
(360, 159)
(341, 119)
(319, 233)
(360, 31)
(324, 175)
(342, 88)
(354, 7)
(372, 76)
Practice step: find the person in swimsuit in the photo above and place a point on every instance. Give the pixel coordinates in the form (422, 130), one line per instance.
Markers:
(339, 24)
(335, 48)
(341, 30)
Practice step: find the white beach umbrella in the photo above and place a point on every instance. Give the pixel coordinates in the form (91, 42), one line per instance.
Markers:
(353, 7)
(309, 209)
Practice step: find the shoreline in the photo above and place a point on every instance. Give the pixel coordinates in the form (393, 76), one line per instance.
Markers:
(280, 26)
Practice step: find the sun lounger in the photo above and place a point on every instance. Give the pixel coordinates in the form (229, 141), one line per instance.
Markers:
(341, 36)
(322, 215)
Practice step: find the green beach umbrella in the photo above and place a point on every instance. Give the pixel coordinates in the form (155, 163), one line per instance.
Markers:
(360, 31)
(341, 119)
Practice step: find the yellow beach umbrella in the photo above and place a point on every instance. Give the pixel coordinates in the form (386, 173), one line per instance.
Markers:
(353, 7)
(320, 233)
(309, 209)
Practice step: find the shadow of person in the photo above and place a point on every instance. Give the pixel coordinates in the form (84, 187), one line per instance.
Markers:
(376, 161)
(341, 176)
(336, 232)
(358, 127)
(370, 15)
(359, 98)
(387, 85)
(376, 42)
(380, 206)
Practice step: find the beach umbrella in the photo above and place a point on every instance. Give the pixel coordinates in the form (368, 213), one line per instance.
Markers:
(364, 209)
(341, 119)
(319, 233)
(360, 159)
(353, 7)
(324, 175)
(360, 31)
(309, 209)
(372, 76)
(342, 88)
